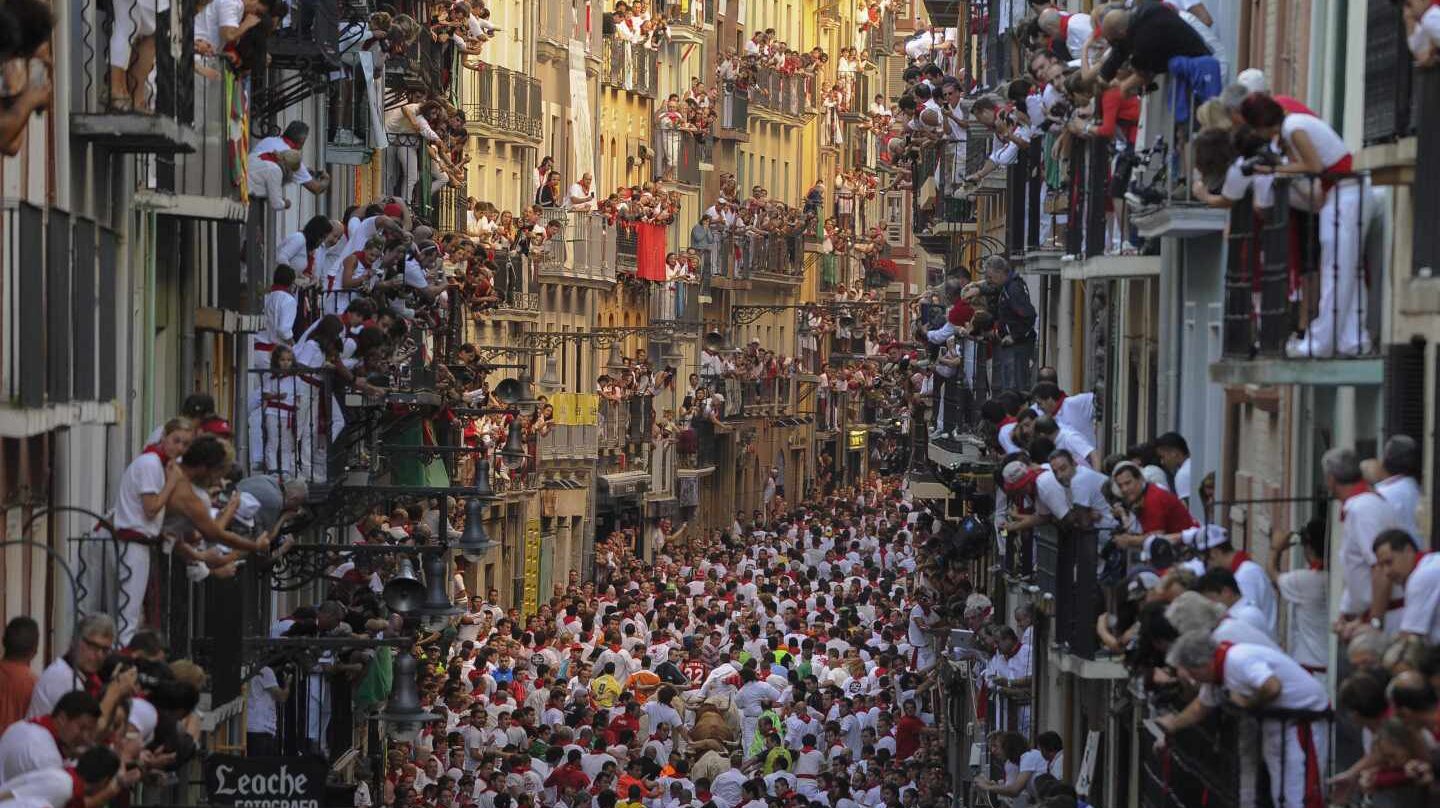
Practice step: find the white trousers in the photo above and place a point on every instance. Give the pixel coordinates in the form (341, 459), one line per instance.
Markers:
(1285, 759)
(134, 561)
(1339, 324)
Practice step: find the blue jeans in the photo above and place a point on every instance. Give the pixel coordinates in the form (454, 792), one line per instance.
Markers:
(1012, 366)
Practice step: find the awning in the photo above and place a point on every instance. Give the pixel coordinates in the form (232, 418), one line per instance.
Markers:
(624, 484)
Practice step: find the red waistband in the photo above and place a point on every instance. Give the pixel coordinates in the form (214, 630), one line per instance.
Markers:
(126, 534)
(264, 346)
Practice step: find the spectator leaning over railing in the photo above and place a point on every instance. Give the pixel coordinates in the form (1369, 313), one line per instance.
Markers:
(1290, 704)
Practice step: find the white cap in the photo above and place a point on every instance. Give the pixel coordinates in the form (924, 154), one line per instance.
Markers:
(1205, 538)
(247, 509)
(1253, 80)
(144, 717)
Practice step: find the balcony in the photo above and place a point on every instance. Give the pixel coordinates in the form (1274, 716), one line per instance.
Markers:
(783, 96)
(775, 258)
(1093, 245)
(501, 103)
(126, 112)
(1273, 291)
(1160, 200)
(311, 43)
(880, 39)
(570, 442)
(679, 156)
(676, 303)
(59, 273)
(1214, 763)
(584, 253)
(690, 19)
(630, 67)
(1390, 76)
(734, 115)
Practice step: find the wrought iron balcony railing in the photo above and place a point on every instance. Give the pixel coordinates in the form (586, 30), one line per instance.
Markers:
(630, 66)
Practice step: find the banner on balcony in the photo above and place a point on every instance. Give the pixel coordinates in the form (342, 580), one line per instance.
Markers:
(650, 243)
(265, 782)
(575, 409)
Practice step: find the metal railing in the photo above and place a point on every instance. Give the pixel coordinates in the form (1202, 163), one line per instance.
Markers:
(503, 100)
(114, 34)
(451, 215)
(1085, 233)
(586, 247)
(675, 302)
(62, 300)
(1290, 272)
(292, 418)
(679, 154)
(613, 423)
(734, 110)
(570, 440)
(1213, 763)
(779, 92)
(630, 66)
(693, 13)
(1390, 75)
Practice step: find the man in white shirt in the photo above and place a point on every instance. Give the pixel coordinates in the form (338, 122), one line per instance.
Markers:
(264, 694)
(1402, 460)
(1419, 573)
(294, 137)
(1085, 492)
(726, 789)
(89, 647)
(1174, 454)
(1252, 582)
(1082, 450)
(1048, 757)
(48, 741)
(1260, 680)
(278, 323)
(1072, 29)
(1219, 585)
(1364, 515)
(1074, 412)
(1307, 590)
(582, 194)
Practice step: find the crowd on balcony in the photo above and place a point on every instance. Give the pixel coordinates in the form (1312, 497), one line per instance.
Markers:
(1201, 624)
(100, 719)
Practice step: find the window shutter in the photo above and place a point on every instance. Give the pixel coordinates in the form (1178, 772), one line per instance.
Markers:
(1404, 391)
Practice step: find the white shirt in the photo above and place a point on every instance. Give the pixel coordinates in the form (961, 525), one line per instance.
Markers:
(727, 789)
(145, 475)
(1248, 667)
(1182, 482)
(1034, 762)
(52, 786)
(1077, 412)
(1422, 599)
(267, 181)
(291, 252)
(1050, 496)
(1255, 588)
(1363, 517)
(1077, 32)
(216, 15)
(27, 747)
(260, 701)
(1305, 589)
(1403, 493)
(1075, 443)
(280, 311)
(269, 145)
(577, 190)
(1006, 441)
(1329, 146)
(1250, 615)
(1426, 36)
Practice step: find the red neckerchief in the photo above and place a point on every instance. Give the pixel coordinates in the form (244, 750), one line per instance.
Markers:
(1006, 421)
(48, 723)
(1064, 27)
(1012, 654)
(279, 287)
(292, 144)
(156, 450)
(77, 789)
(1221, 651)
(1359, 488)
(1320, 565)
(270, 157)
(1240, 558)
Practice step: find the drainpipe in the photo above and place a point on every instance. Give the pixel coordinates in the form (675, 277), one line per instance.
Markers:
(147, 348)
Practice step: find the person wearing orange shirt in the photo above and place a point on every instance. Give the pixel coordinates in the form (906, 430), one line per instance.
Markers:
(17, 678)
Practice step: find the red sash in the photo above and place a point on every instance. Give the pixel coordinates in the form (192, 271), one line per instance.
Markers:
(1221, 651)
(1306, 736)
(1240, 558)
